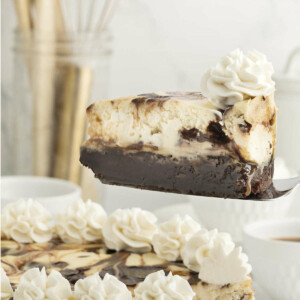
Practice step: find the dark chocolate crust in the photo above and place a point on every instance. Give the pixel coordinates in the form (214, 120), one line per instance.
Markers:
(217, 176)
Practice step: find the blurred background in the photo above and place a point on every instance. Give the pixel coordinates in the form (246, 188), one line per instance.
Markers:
(67, 55)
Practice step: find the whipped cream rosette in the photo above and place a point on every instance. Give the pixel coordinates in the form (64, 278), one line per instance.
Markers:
(130, 229)
(214, 255)
(172, 236)
(26, 221)
(160, 286)
(222, 267)
(95, 288)
(36, 285)
(82, 222)
(238, 76)
(6, 289)
(200, 245)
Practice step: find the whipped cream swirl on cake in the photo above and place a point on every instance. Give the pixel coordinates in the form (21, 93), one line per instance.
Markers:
(94, 288)
(159, 286)
(238, 76)
(6, 289)
(223, 267)
(81, 222)
(213, 254)
(26, 221)
(199, 246)
(172, 236)
(35, 284)
(130, 229)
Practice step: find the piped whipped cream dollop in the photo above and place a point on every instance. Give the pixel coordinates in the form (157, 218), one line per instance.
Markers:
(130, 229)
(222, 267)
(81, 222)
(6, 289)
(238, 76)
(213, 254)
(199, 246)
(26, 221)
(94, 288)
(172, 236)
(159, 286)
(36, 285)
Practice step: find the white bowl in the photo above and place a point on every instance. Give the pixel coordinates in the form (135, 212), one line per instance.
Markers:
(231, 215)
(54, 194)
(276, 264)
(165, 213)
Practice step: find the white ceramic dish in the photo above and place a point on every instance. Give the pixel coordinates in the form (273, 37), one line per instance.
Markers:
(287, 98)
(231, 215)
(54, 194)
(276, 264)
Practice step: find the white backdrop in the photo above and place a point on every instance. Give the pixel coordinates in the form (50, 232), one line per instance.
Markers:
(167, 44)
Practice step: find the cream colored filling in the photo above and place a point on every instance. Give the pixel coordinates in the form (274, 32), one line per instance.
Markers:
(155, 125)
(258, 145)
(158, 125)
(235, 291)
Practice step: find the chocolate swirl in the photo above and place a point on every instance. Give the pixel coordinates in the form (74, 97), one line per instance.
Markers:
(78, 261)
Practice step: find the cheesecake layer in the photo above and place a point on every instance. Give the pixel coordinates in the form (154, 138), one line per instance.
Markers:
(159, 122)
(181, 142)
(75, 261)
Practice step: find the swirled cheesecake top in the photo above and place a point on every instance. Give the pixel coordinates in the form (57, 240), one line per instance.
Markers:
(185, 124)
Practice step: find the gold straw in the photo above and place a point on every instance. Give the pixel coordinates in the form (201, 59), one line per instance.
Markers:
(82, 100)
(23, 14)
(44, 68)
(65, 124)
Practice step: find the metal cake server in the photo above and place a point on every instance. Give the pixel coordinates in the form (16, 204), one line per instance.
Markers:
(286, 184)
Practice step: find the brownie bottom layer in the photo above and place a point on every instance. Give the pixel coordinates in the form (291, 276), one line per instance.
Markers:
(218, 176)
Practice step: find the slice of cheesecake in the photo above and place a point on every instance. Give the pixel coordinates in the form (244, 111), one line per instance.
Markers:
(76, 261)
(182, 142)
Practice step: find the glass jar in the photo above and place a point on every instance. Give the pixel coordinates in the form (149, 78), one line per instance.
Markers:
(55, 79)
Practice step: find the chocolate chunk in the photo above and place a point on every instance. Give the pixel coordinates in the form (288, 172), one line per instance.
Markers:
(215, 134)
(137, 146)
(194, 134)
(90, 107)
(60, 264)
(73, 275)
(218, 136)
(245, 127)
